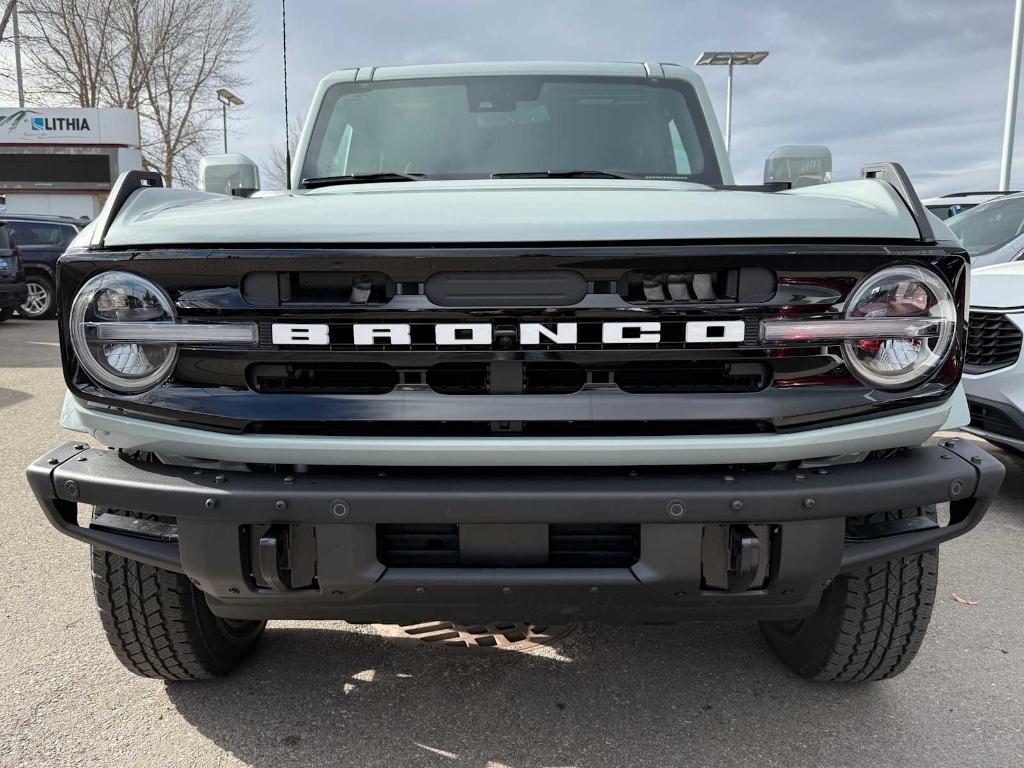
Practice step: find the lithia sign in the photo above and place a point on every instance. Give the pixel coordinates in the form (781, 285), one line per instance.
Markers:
(48, 125)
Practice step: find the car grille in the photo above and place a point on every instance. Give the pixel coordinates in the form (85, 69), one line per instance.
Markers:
(993, 342)
(570, 545)
(990, 418)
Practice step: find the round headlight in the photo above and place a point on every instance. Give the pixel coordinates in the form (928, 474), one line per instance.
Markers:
(121, 297)
(902, 292)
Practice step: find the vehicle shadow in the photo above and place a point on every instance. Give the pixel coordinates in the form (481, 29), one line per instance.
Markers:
(603, 696)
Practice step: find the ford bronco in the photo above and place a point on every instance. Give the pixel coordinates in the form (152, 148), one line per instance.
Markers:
(514, 347)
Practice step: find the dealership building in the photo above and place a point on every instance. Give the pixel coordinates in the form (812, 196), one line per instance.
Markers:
(64, 161)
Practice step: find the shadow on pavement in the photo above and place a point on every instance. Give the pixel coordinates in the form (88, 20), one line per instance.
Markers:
(607, 696)
(12, 397)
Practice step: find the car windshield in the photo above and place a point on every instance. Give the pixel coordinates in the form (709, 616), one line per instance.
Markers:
(474, 127)
(989, 226)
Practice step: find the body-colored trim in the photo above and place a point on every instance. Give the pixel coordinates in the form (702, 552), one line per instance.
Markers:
(885, 432)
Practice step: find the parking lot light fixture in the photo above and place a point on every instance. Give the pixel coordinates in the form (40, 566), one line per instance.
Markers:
(730, 59)
(227, 99)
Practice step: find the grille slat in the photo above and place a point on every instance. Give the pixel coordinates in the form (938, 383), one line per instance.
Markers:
(570, 545)
(993, 342)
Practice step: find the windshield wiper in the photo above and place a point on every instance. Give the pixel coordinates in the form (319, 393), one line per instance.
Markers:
(360, 178)
(559, 175)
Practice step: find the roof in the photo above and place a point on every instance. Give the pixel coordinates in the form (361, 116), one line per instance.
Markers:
(43, 217)
(484, 68)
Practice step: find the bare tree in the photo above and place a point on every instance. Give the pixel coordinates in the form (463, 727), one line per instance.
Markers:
(211, 40)
(164, 58)
(67, 44)
(275, 167)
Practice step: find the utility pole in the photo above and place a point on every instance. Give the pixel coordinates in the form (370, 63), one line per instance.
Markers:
(17, 55)
(1009, 124)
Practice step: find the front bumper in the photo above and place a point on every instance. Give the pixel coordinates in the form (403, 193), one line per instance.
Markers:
(215, 514)
(13, 294)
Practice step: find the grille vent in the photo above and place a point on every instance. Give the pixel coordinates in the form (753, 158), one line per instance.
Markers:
(993, 342)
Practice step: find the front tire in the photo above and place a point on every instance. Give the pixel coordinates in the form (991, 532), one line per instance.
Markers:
(870, 623)
(159, 625)
(41, 303)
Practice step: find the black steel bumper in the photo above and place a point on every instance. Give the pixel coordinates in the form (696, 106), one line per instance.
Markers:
(806, 511)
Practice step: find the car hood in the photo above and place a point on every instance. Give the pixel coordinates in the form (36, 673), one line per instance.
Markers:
(1000, 286)
(507, 211)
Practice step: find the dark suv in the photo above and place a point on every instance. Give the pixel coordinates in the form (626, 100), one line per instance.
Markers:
(12, 275)
(41, 240)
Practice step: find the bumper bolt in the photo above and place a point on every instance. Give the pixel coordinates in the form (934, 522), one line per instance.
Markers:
(799, 476)
(729, 479)
(975, 459)
(339, 508)
(53, 461)
(945, 456)
(211, 503)
(71, 489)
(676, 508)
(594, 590)
(220, 479)
(233, 590)
(506, 590)
(420, 590)
(736, 505)
(808, 503)
(956, 488)
(280, 505)
(822, 471)
(288, 479)
(81, 447)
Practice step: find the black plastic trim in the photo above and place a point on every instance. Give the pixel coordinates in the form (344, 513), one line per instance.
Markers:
(894, 174)
(127, 183)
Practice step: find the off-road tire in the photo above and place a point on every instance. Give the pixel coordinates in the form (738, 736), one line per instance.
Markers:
(159, 625)
(870, 623)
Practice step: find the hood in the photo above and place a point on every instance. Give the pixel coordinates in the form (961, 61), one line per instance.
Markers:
(1000, 286)
(507, 211)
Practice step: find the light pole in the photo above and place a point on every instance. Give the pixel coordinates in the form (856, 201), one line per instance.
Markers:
(729, 59)
(17, 54)
(226, 99)
(1011, 98)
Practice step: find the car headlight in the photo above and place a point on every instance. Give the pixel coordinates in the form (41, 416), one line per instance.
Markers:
(122, 365)
(903, 292)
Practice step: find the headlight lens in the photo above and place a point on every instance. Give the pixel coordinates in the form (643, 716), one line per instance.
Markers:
(900, 292)
(114, 297)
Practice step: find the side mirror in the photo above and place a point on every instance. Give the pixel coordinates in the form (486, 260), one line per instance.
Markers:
(229, 175)
(800, 165)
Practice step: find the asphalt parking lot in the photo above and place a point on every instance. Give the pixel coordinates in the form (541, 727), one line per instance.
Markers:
(334, 694)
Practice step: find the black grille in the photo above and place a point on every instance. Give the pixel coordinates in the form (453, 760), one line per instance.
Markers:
(582, 545)
(644, 378)
(570, 545)
(991, 418)
(421, 544)
(992, 342)
(324, 378)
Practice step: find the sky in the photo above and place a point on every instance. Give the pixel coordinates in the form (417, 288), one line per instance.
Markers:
(920, 83)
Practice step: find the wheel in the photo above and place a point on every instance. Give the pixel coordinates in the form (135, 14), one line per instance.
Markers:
(41, 303)
(870, 623)
(5, 313)
(159, 625)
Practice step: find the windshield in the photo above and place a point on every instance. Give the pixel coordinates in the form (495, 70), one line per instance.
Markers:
(989, 226)
(473, 127)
